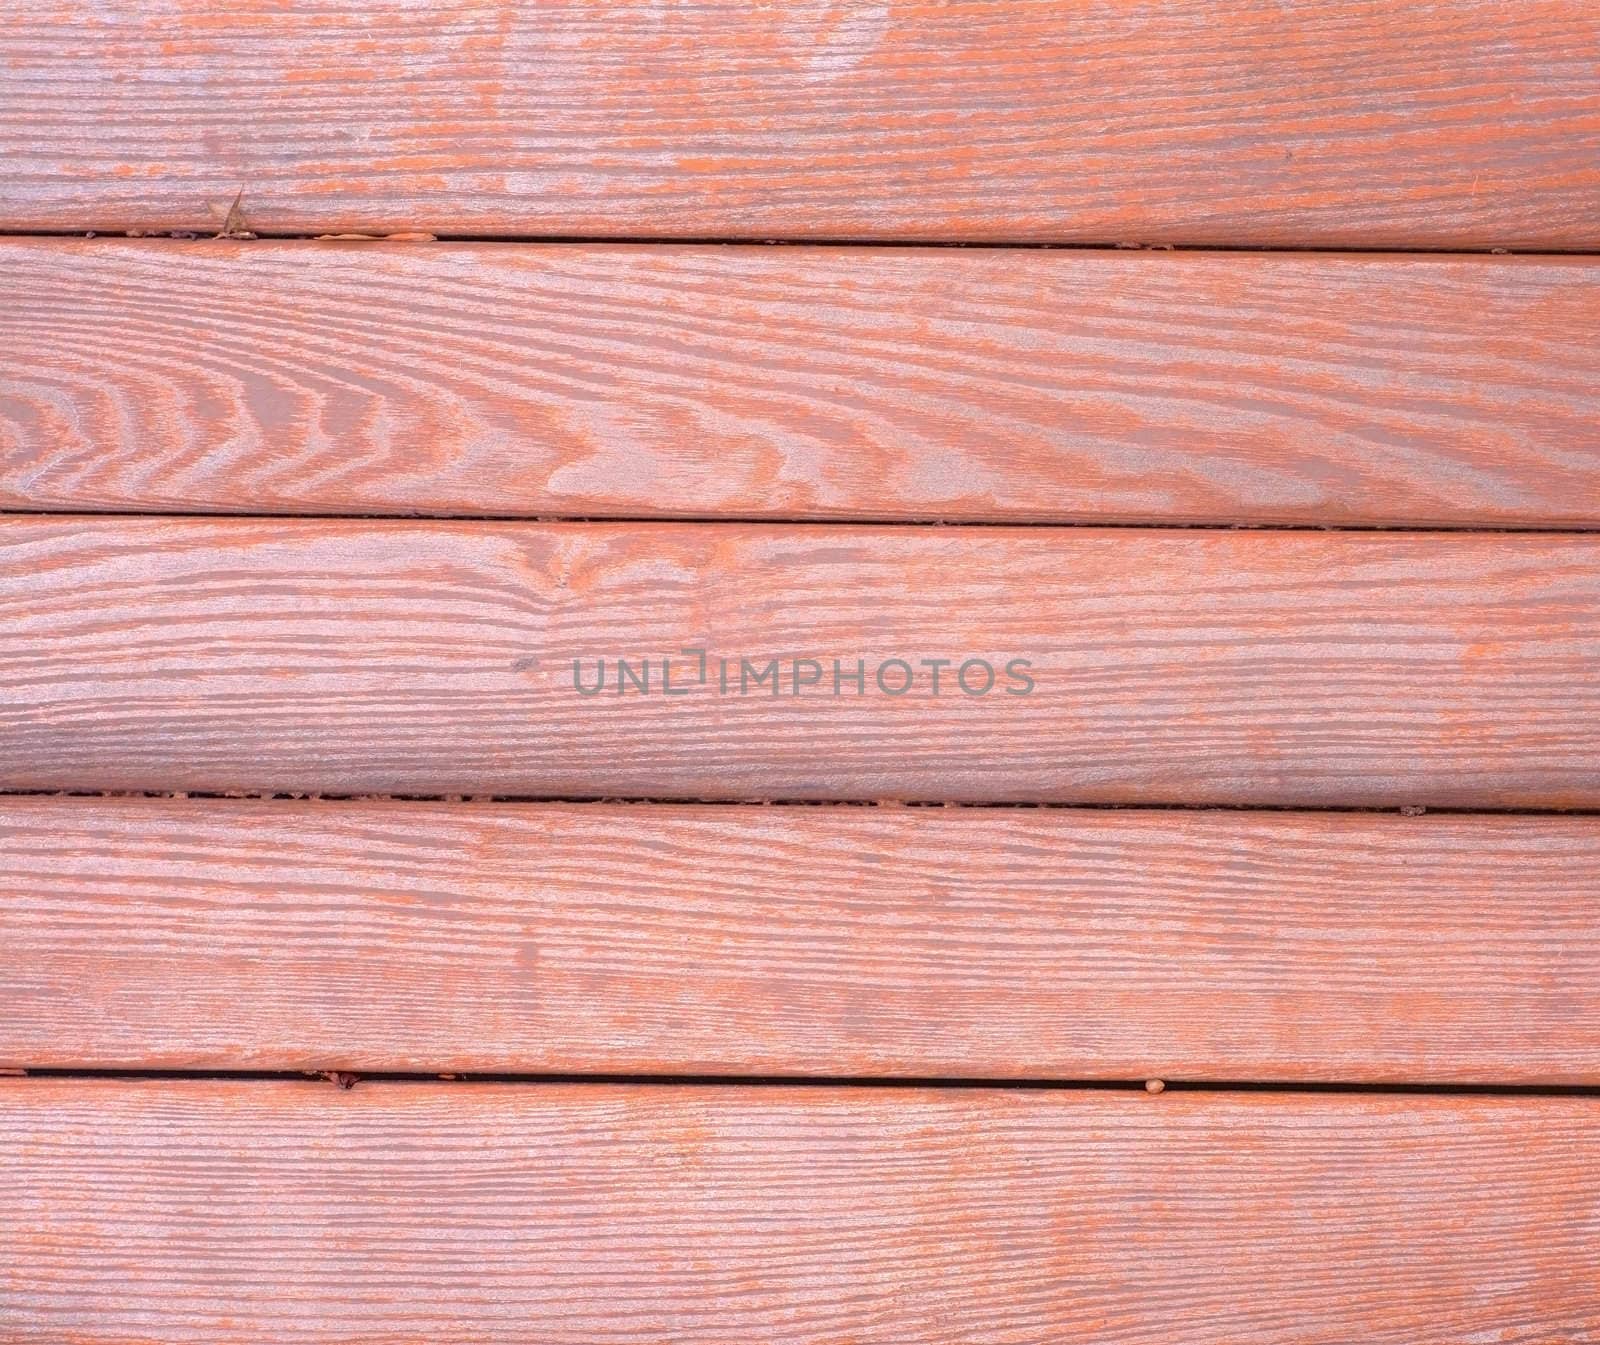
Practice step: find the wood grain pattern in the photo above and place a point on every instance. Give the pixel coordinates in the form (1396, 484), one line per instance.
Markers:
(1466, 123)
(967, 943)
(219, 1212)
(817, 383)
(438, 658)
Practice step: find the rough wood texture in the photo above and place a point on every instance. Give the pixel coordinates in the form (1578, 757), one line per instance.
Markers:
(438, 658)
(1466, 123)
(791, 383)
(979, 943)
(223, 1212)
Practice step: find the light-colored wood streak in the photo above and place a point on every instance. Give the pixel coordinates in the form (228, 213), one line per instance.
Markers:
(1313, 122)
(968, 943)
(440, 658)
(221, 1212)
(886, 383)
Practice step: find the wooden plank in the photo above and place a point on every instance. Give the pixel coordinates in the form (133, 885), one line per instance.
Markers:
(217, 1212)
(438, 658)
(1465, 123)
(966, 943)
(976, 385)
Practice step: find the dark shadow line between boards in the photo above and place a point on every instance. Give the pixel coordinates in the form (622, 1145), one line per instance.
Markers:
(347, 1079)
(1408, 811)
(920, 522)
(354, 237)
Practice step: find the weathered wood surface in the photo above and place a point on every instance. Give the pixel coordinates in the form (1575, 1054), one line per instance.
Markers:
(1467, 123)
(438, 658)
(968, 943)
(220, 1212)
(799, 383)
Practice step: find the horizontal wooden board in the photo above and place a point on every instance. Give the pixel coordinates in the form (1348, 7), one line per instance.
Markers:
(1466, 123)
(889, 383)
(968, 943)
(219, 1212)
(440, 658)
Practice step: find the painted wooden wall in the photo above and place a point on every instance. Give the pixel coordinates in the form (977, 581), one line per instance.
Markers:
(1221, 377)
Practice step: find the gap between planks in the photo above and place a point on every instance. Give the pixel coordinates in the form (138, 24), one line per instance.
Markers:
(797, 520)
(348, 1079)
(178, 236)
(680, 801)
